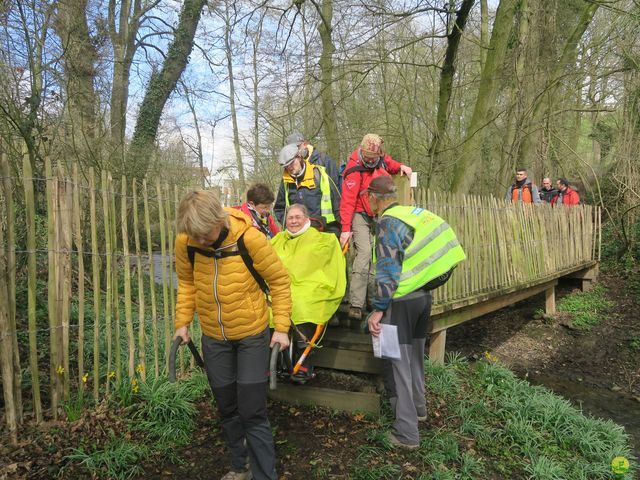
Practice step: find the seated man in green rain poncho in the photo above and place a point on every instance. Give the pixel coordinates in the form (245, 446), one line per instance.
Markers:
(316, 267)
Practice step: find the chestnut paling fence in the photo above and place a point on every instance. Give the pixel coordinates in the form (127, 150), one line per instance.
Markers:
(87, 289)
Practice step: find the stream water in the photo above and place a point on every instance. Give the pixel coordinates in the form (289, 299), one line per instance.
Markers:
(598, 402)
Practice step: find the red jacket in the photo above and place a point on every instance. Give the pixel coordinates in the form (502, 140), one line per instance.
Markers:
(356, 182)
(270, 229)
(569, 197)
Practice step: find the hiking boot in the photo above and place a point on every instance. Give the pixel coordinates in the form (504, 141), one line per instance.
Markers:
(233, 475)
(395, 442)
(355, 313)
(422, 418)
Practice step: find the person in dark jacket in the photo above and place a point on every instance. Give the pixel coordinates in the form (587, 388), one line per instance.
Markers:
(566, 195)
(310, 185)
(547, 192)
(314, 156)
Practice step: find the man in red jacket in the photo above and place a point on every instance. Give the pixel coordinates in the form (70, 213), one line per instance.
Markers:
(365, 163)
(566, 195)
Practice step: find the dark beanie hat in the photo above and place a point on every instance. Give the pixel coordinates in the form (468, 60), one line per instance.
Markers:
(382, 185)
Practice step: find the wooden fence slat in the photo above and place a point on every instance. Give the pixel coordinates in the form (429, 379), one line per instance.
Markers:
(30, 208)
(115, 292)
(142, 360)
(152, 285)
(108, 252)
(97, 292)
(52, 291)
(6, 344)
(66, 246)
(77, 220)
(165, 290)
(127, 281)
(11, 285)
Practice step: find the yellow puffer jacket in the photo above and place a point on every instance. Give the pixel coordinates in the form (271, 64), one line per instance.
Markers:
(229, 302)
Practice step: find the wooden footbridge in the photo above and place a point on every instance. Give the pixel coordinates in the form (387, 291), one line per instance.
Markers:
(80, 312)
(514, 252)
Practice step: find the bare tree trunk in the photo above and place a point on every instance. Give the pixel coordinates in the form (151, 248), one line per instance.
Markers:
(518, 95)
(446, 82)
(161, 86)
(528, 147)
(465, 169)
(484, 32)
(232, 99)
(79, 57)
(326, 68)
(123, 41)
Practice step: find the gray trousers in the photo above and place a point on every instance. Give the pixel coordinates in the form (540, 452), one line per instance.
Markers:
(361, 274)
(237, 372)
(404, 377)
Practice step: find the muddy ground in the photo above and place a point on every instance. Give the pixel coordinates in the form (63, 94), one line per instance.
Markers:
(599, 370)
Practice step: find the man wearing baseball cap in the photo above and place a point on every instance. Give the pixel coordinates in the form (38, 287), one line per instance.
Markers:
(367, 162)
(415, 252)
(309, 185)
(313, 155)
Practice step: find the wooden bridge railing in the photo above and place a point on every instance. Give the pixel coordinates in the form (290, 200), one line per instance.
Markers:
(511, 245)
(86, 275)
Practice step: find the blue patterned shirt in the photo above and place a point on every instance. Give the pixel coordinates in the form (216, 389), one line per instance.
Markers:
(393, 236)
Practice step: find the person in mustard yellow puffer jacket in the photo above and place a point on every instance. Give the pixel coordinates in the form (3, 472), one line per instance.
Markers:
(214, 249)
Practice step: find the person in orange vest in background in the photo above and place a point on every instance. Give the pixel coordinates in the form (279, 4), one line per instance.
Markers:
(365, 163)
(258, 208)
(566, 195)
(522, 189)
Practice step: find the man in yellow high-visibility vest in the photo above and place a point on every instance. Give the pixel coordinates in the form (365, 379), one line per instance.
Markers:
(415, 251)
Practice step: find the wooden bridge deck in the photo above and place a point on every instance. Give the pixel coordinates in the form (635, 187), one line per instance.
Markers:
(349, 350)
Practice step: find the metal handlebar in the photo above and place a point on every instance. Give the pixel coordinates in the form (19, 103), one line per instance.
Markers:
(273, 362)
(172, 356)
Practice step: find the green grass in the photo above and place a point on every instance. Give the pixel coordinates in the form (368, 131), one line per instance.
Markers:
(161, 417)
(119, 459)
(494, 425)
(585, 308)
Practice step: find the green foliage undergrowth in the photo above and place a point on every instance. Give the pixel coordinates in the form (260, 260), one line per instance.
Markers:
(160, 416)
(586, 308)
(487, 423)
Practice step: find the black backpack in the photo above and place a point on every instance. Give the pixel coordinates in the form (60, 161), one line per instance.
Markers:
(241, 250)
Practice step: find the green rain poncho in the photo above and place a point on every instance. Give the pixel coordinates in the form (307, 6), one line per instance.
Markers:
(316, 267)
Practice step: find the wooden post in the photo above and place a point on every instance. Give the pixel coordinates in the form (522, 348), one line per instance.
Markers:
(52, 291)
(11, 287)
(152, 284)
(437, 346)
(165, 289)
(550, 300)
(142, 360)
(108, 274)
(127, 281)
(6, 347)
(115, 292)
(64, 274)
(80, 252)
(97, 292)
(29, 199)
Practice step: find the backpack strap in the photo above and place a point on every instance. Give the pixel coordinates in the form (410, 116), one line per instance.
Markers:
(248, 261)
(241, 250)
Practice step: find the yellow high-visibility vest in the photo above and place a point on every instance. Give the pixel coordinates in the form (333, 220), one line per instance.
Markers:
(433, 251)
(326, 209)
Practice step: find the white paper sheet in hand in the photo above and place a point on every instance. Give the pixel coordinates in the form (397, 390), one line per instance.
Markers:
(386, 345)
